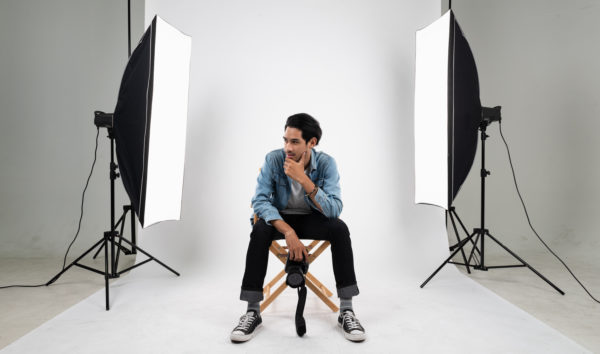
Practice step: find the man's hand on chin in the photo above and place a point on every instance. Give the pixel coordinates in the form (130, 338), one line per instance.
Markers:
(295, 170)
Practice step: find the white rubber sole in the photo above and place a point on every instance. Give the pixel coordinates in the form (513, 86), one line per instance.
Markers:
(239, 338)
(359, 337)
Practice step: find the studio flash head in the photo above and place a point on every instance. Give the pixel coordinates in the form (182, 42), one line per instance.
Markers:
(489, 114)
(103, 120)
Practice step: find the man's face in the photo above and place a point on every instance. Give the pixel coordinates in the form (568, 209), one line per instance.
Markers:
(294, 145)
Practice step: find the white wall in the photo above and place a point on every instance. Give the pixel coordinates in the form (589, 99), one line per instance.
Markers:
(539, 61)
(348, 63)
(60, 60)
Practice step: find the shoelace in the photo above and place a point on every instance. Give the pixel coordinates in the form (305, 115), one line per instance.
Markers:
(351, 322)
(245, 321)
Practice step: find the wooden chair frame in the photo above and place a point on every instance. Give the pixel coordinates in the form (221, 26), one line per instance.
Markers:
(312, 282)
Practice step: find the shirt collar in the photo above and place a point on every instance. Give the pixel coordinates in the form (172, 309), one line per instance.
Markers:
(313, 160)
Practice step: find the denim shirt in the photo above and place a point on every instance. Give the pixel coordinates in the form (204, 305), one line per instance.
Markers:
(273, 186)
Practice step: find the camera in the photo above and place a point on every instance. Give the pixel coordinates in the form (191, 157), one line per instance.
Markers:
(295, 272)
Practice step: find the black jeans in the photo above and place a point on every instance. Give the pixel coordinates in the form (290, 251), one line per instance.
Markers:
(312, 226)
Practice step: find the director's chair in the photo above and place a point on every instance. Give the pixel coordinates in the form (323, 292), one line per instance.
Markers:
(281, 252)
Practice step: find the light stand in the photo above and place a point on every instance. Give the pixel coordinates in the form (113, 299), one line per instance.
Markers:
(489, 115)
(453, 215)
(104, 120)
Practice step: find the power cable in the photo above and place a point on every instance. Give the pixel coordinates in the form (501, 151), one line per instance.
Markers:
(529, 220)
(80, 218)
(83, 198)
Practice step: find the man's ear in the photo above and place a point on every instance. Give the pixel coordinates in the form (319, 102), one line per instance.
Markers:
(312, 142)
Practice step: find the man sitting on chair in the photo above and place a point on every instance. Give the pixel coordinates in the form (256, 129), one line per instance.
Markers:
(298, 196)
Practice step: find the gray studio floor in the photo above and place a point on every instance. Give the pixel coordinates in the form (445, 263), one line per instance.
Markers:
(575, 314)
(24, 309)
(155, 312)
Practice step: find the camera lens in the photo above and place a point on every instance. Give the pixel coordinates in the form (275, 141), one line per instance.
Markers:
(294, 279)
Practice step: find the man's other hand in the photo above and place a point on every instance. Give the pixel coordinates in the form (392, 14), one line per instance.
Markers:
(295, 247)
(295, 170)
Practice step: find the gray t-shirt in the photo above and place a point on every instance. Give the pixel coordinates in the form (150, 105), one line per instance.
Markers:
(296, 204)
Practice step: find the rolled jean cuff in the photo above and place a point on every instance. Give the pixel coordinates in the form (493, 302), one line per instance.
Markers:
(251, 295)
(347, 291)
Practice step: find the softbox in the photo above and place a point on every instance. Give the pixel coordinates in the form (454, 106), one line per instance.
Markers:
(447, 111)
(150, 122)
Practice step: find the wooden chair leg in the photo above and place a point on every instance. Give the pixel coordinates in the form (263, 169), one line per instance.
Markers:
(311, 281)
(319, 284)
(321, 295)
(268, 300)
(276, 278)
(318, 252)
(267, 289)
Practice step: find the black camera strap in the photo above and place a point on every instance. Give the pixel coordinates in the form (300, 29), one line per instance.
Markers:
(300, 323)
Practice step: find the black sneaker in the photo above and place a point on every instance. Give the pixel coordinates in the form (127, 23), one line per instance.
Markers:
(245, 329)
(352, 329)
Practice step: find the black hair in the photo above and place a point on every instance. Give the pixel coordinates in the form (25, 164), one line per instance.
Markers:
(307, 124)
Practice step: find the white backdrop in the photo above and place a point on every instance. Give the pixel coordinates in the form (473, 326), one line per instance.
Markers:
(350, 65)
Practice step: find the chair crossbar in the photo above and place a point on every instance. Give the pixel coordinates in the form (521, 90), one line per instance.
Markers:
(281, 252)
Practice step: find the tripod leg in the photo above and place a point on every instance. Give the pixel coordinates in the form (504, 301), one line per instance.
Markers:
(149, 255)
(106, 269)
(462, 251)
(133, 235)
(465, 230)
(119, 246)
(461, 245)
(73, 263)
(113, 271)
(525, 263)
(98, 251)
(474, 246)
